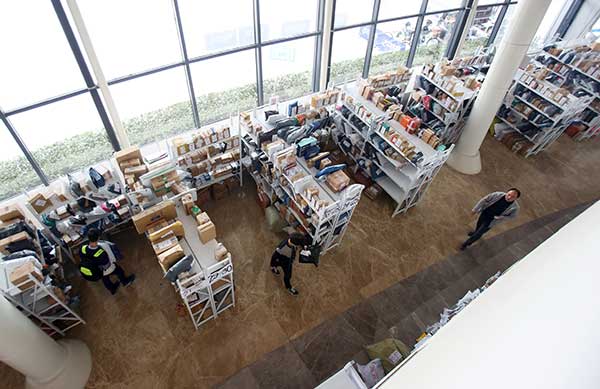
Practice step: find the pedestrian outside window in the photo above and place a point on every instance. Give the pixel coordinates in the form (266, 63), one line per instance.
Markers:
(435, 35)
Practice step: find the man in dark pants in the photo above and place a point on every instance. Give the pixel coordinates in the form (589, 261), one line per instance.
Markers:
(97, 258)
(493, 208)
(284, 256)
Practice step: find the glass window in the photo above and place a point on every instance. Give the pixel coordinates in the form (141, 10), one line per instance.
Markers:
(285, 18)
(440, 5)
(211, 26)
(547, 29)
(64, 136)
(16, 174)
(505, 23)
(394, 8)
(287, 68)
(435, 35)
(480, 30)
(154, 107)
(349, 12)
(234, 89)
(131, 36)
(596, 28)
(392, 44)
(348, 54)
(37, 62)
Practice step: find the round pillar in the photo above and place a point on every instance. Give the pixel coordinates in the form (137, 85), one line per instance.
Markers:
(527, 17)
(46, 364)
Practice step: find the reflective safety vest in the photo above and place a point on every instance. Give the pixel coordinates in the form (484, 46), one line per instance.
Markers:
(89, 268)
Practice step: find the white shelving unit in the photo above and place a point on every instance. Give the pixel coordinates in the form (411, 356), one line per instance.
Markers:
(449, 119)
(576, 79)
(326, 225)
(183, 161)
(209, 290)
(37, 300)
(538, 128)
(404, 182)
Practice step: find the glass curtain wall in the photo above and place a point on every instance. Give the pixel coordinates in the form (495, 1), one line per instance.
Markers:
(232, 61)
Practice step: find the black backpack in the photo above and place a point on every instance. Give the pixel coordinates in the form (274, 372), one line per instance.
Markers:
(90, 270)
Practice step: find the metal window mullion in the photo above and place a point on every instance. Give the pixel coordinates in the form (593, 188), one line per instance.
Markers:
(258, 54)
(32, 161)
(458, 30)
(48, 101)
(417, 35)
(497, 25)
(318, 46)
(85, 72)
(330, 51)
(188, 73)
(568, 19)
(371, 42)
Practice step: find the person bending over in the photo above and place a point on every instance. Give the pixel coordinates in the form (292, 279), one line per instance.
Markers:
(284, 256)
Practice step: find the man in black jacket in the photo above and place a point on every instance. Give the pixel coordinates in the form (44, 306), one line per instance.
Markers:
(493, 209)
(284, 256)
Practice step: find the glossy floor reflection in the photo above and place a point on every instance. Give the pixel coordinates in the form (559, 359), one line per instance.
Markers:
(138, 338)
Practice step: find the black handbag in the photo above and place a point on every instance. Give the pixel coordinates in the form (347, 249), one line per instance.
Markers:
(310, 255)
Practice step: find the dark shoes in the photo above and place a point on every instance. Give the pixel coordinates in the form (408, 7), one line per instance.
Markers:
(275, 270)
(293, 291)
(130, 280)
(114, 289)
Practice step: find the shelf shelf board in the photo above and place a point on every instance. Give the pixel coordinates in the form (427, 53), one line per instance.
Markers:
(392, 189)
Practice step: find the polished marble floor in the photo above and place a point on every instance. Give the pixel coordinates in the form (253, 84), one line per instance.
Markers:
(140, 339)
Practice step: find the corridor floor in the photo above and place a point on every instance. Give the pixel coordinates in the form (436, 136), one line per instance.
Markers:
(138, 339)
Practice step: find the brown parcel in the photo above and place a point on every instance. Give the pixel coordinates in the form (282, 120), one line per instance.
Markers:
(338, 180)
(176, 228)
(21, 274)
(207, 232)
(13, 238)
(165, 210)
(39, 202)
(136, 170)
(128, 154)
(221, 252)
(188, 202)
(170, 257)
(165, 244)
(202, 218)
(9, 213)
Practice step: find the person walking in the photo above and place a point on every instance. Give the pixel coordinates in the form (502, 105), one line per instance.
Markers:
(284, 256)
(99, 261)
(493, 209)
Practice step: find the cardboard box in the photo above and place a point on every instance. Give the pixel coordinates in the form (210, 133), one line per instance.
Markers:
(163, 210)
(221, 252)
(130, 163)
(163, 245)
(207, 232)
(202, 218)
(188, 202)
(160, 224)
(10, 213)
(176, 228)
(181, 146)
(20, 275)
(337, 181)
(198, 169)
(171, 256)
(128, 153)
(40, 203)
(136, 170)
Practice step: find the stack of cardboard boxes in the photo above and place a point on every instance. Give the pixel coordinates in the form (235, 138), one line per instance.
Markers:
(132, 165)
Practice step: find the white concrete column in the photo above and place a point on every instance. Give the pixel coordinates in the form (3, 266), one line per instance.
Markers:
(100, 79)
(465, 158)
(327, 27)
(45, 363)
(468, 24)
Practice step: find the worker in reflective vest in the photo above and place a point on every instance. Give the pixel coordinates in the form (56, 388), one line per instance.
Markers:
(98, 261)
